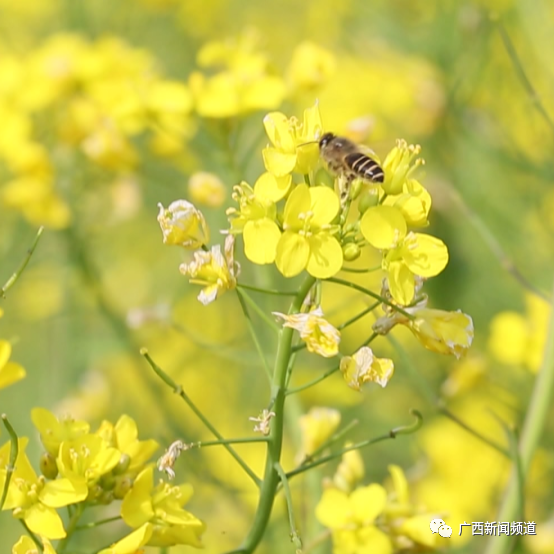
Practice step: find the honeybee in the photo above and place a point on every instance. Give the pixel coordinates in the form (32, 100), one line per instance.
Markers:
(347, 159)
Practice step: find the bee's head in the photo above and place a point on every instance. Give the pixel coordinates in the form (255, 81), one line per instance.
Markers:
(326, 139)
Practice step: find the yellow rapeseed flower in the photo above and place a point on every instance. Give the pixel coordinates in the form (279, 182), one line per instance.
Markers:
(318, 334)
(216, 272)
(406, 254)
(162, 505)
(124, 436)
(311, 66)
(25, 545)
(307, 241)
(438, 330)
(54, 431)
(35, 501)
(255, 219)
(243, 84)
(85, 459)
(317, 426)
(206, 189)
(351, 518)
(289, 151)
(132, 542)
(183, 225)
(519, 339)
(349, 472)
(10, 372)
(399, 165)
(414, 202)
(365, 367)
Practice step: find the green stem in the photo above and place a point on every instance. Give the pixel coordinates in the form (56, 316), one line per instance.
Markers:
(355, 270)
(288, 497)
(202, 444)
(94, 524)
(533, 426)
(32, 536)
(527, 85)
(359, 288)
(272, 323)
(271, 476)
(393, 433)
(14, 451)
(335, 438)
(253, 334)
(71, 527)
(178, 389)
(315, 381)
(266, 291)
(352, 320)
(12, 280)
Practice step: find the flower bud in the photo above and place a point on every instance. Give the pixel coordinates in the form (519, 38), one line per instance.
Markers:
(107, 481)
(351, 251)
(355, 189)
(122, 465)
(183, 225)
(122, 487)
(368, 199)
(48, 466)
(323, 177)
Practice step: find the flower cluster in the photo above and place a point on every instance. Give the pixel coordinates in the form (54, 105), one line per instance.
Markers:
(81, 469)
(97, 97)
(370, 519)
(299, 218)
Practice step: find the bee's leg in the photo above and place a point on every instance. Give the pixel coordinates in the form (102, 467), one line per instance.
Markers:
(344, 183)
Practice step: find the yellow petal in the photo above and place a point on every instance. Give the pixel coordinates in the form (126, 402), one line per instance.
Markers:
(325, 256)
(132, 542)
(277, 162)
(417, 529)
(312, 128)
(272, 188)
(383, 226)
(333, 509)
(62, 492)
(25, 545)
(324, 204)
(136, 508)
(293, 251)
(278, 130)
(367, 503)
(260, 240)
(44, 521)
(298, 204)
(508, 338)
(5, 352)
(425, 255)
(400, 484)
(10, 374)
(401, 283)
(374, 541)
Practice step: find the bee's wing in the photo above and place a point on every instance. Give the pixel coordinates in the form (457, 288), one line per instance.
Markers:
(367, 151)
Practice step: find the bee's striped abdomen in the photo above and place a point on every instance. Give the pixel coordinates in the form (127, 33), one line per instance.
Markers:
(365, 167)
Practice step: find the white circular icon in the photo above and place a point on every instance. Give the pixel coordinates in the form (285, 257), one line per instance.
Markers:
(445, 531)
(435, 524)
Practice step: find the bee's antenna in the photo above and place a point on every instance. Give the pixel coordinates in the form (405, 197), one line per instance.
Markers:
(309, 142)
